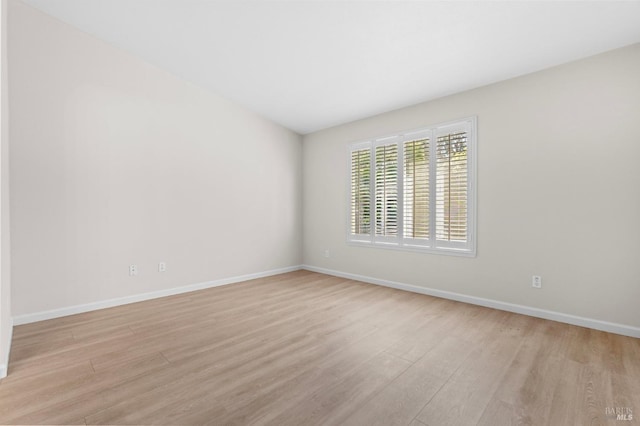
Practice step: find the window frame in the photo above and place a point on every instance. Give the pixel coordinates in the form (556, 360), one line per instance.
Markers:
(400, 242)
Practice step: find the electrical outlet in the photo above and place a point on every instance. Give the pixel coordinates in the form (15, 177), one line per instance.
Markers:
(133, 270)
(536, 281)
(162, 267)
(327, 253)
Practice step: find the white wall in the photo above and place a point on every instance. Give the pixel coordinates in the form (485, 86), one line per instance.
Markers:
(5, 234)
(558, 192)
(115, 162)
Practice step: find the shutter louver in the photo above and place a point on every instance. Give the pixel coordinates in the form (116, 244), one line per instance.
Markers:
(452, 187)
(360, 192)
(416, 189)
(386, 190)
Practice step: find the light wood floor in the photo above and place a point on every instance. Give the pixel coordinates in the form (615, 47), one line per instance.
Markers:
(305, 348)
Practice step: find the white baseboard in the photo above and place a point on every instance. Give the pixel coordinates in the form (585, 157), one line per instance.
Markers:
(625, 330)
(622, 329)
(78, 309)
(4, 363)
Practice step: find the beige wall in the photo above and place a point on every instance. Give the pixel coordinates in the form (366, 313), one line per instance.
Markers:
(115, 162)
(558, 192)
(5, 240)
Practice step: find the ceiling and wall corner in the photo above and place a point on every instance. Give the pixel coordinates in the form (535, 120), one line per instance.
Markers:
(313, 65)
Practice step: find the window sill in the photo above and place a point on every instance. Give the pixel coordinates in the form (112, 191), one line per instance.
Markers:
(414, 248)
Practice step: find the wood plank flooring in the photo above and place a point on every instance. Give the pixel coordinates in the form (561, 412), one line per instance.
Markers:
(304, 348)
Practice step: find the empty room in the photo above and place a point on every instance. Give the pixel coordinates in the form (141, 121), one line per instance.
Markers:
(267, 212)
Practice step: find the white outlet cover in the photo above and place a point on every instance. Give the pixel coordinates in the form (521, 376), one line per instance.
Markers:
(536, 281)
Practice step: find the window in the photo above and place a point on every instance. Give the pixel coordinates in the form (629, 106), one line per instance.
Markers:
(415, 190)
(361, 191)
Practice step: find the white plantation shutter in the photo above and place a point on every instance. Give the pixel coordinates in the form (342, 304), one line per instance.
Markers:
(360, 205)
(386, 190)
(453, 199)
(451, 187)
(415, 190)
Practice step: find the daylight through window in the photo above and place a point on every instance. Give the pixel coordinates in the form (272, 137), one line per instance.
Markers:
(415, 190)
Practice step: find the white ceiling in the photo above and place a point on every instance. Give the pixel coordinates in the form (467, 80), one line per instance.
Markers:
(311, 65)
